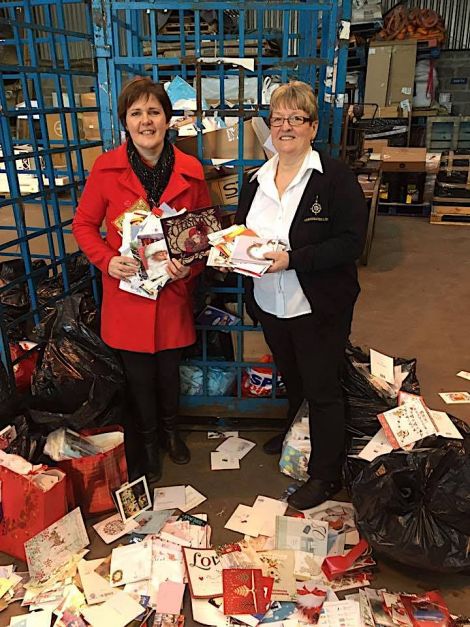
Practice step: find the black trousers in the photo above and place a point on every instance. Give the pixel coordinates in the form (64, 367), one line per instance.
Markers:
(309, 352)
(153, 386)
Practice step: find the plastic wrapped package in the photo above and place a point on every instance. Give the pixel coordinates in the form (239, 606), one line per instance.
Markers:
(296, 448)
(414, 507)
(258, 380)
(367, 396)
(220, 381)
(67, 444)
(79, 379)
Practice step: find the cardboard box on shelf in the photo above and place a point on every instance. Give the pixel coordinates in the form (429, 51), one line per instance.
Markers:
(90, 119)
(390, 72)
(378, 67)
(254, 346)
(402, 72)
(403, 159)
(91, 126)
(375, 145)
(223, 144)
(90, 155)
(394, 111)
(88, 99)
(56, 135)
(223, 185)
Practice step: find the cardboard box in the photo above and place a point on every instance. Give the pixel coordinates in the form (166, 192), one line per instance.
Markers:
(91, 126)
(224, 190)
(223, 184)
(254, 346)
(90, 119)
(394, 111)
(390, 72)
(223, 144)
(403, 159)
(375, 145)
(402, 72)
(378, 67)
(89, 156)
(56, 134)
(88, 100)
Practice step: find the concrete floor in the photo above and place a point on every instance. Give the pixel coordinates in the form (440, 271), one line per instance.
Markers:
(415, 302)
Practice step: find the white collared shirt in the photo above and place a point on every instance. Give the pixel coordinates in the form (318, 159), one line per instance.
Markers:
(280, 293)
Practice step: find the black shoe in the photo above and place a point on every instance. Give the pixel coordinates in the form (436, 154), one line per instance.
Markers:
(151, 460)
(274, 445)
(177, 449)
(314, 492)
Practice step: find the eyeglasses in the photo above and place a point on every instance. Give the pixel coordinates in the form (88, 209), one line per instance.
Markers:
(293, 120)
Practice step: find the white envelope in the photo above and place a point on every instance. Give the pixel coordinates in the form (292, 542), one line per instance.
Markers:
(129, 563)
(206, 613)
(379, 445)
(264, 512)
(237, 447)
(224, 461)
(95, 587)
(381, 366)
(193, 499)
(33, 619)
(444, 425)
(171, 497)
(240, 521)
(118, 611)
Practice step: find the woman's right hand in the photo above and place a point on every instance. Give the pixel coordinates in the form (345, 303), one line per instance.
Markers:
(122, 267)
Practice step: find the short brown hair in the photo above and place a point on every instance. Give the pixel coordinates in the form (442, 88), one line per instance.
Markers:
(138, 88)
(297, 95)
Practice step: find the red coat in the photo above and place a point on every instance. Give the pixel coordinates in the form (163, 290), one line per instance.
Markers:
(131, 322)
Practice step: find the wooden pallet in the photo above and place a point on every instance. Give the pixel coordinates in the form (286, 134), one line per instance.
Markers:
(449, 132)
(453, 215)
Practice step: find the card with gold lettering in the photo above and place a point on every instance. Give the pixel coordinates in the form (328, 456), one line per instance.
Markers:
(140, 208)
(204, 572)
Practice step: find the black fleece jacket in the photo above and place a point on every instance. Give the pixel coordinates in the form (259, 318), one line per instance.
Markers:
(327, 235)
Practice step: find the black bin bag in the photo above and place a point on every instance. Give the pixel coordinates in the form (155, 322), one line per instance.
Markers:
(79, 381)
(363, 399)
(414, 507)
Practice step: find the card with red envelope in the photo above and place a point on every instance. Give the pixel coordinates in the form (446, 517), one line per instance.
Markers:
(246, 591)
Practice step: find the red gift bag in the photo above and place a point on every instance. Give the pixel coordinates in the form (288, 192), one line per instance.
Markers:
(26, 509)
(92, 480)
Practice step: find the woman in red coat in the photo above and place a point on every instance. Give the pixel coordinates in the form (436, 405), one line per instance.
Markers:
(149, 334)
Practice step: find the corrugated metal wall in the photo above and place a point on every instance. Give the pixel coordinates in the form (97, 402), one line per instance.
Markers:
(456, 15)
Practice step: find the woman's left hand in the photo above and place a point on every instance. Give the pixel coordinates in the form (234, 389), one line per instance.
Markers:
(177, 271)
(280, 261)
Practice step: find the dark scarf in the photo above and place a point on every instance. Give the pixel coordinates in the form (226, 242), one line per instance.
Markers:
(154, 179)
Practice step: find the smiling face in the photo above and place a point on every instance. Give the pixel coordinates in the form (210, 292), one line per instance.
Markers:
(147, 125)
(292, 141)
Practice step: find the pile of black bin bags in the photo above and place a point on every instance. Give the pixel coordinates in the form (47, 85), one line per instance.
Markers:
(78, 381)
(411, 506)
